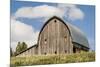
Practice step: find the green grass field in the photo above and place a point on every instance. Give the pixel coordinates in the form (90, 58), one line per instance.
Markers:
(53, 59)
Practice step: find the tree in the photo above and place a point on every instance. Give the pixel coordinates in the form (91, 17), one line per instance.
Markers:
(11, 52)
(24, 46)
(20, 47)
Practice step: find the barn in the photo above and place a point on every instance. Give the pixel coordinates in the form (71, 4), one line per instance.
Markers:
(58, 37)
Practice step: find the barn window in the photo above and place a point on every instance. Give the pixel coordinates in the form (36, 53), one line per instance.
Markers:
(45, 41)
(65, 51)
(55, 21)
(45, 53)
(55, 52)
(65, 38)
(74, 50)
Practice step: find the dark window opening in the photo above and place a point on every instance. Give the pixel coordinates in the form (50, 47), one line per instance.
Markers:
(65, 37)
(45, 53)
(45, 40)
(55, 21)
(65, 51)
(74, 50)
(55, 52)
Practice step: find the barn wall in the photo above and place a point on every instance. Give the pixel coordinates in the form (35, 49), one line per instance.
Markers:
(30, 52)
(78, 48)
(55, 39)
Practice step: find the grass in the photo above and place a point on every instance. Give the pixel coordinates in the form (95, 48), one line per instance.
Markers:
(53, 59)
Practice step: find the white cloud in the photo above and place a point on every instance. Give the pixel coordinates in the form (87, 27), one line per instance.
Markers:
(22, 32)
(66, 6)
(71, 12)
(75, 13)
(13, 45)
(38, 11)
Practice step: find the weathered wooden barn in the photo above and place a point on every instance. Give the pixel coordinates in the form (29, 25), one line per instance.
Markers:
(58, 37)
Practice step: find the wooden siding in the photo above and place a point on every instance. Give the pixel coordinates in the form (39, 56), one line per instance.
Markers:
(30, 52)
(55, 39)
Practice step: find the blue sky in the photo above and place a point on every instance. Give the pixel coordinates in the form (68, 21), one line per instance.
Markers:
(86, 24)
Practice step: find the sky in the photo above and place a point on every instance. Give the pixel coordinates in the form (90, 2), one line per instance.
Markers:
(27, 19)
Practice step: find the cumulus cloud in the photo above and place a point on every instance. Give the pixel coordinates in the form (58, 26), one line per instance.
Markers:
(22, 32)
(75, 13)
(72, 12)
(38, 11)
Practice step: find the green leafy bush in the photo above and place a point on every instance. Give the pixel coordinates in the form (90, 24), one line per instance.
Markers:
(53, 59)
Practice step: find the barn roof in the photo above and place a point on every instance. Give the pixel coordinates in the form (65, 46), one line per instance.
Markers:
(77, 35)
(35, 45)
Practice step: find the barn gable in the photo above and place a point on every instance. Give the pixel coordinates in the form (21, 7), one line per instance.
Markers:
(55, 38)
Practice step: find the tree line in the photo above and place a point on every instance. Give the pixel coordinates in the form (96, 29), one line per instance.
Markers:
(20, 47)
